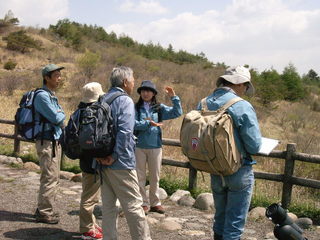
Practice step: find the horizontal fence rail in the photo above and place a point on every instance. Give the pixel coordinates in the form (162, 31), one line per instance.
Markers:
(287, 178)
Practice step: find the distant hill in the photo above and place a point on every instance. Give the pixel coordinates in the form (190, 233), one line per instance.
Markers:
(286, 103)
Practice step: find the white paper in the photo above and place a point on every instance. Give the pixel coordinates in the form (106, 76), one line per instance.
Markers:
(268, 144)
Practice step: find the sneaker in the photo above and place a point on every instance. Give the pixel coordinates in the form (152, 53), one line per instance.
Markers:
(98, 228)
(92, 234)
(50, 219)
(145, 209)
(158, 209)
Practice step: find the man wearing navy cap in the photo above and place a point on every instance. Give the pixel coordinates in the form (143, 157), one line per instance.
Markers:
(49, 118)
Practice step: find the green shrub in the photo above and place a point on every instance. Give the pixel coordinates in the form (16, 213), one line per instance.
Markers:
(10, 65)
(29, 157)
(21, 42)
(301, 209)
(88, 62)
(172, 186)
(6, 150)
(71, 168)
(305, 210)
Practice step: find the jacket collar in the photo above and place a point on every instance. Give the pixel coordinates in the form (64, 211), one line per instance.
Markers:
(223, 90)
(48, 90)
(113, 89)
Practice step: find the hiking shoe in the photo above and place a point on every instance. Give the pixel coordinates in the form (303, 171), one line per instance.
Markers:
(145, 209)
(158, 209)
(92, 234)
(217, 237)
(50, 219)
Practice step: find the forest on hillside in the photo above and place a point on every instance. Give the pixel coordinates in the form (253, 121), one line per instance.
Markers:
(92, 42)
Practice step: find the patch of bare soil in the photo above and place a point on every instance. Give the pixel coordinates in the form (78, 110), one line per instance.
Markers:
(18, 191)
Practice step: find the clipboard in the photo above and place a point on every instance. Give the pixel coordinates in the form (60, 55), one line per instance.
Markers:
(268, 144)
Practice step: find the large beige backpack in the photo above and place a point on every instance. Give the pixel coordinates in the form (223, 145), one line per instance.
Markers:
(207, 139)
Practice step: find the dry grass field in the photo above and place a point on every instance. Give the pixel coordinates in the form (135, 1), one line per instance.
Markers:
(289, 122)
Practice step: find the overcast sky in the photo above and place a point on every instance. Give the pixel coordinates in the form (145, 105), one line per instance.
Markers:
(261, 33)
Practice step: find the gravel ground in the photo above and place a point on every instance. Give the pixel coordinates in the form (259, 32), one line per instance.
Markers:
(18, 191)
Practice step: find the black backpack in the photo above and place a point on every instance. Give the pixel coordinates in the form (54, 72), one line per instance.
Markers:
(25, 115)
(69, 138)
(90, 130)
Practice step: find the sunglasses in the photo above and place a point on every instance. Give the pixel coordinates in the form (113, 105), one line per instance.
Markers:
(247, 84)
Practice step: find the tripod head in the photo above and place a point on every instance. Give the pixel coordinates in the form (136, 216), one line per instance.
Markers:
(285, 228)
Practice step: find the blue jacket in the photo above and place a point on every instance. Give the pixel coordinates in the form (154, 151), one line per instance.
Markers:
(246, 126)
(150, 136)
(123, 114)
(46, 104)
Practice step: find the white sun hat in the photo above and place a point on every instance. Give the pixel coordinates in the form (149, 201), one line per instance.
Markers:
(237, 75)
(91, 92)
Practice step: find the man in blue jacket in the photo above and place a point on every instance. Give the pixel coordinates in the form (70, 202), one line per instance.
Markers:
(119, 175)
(49, 120)
(232, 198)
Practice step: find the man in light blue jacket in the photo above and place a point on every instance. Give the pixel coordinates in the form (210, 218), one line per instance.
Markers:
(232, 198)
(119, 175)
(49, 118)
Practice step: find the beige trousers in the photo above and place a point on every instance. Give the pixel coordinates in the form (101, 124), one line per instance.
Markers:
(89, 198)
(152, 157)
(122, 185)
(49, 177)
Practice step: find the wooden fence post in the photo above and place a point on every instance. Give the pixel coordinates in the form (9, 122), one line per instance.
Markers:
(288, 173)
(192, 178)
(16, 146)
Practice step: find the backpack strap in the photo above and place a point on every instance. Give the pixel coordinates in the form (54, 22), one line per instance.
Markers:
(223, 109)
(230, 103)
(111, 98)
(42, 118)
(204, 105)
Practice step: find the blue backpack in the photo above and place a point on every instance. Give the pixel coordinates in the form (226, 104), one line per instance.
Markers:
(25, 115)
(90, 130)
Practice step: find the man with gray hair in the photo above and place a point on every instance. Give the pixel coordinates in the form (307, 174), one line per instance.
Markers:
(119, 175)
(232, 194)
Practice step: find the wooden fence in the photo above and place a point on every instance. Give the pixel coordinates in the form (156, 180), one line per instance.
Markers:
(287, 177)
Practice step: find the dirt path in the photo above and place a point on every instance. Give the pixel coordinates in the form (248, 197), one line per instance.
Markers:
(18, 191)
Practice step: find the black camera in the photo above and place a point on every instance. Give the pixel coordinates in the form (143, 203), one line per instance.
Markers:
(285, 228)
